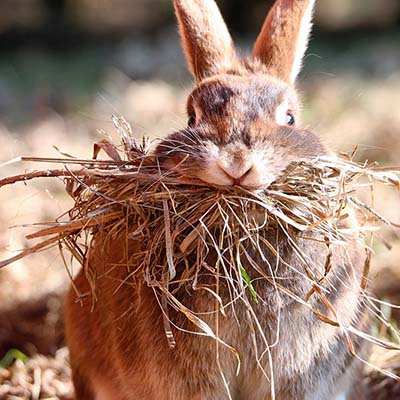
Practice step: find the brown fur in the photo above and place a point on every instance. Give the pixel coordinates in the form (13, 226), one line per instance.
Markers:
(115, 332)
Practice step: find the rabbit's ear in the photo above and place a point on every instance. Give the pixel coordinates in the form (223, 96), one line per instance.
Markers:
(284, 37)
(206, 41)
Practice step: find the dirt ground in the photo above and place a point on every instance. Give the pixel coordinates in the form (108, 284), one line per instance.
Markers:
(347, 109)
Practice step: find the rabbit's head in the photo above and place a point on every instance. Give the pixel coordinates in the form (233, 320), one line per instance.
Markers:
(243, 123)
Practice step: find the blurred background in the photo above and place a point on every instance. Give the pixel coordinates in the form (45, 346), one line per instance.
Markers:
(67, 65)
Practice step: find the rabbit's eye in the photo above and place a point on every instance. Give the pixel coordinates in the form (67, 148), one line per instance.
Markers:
(290, 120)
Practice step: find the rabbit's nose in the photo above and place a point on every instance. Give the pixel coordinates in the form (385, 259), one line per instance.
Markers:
(236, 171)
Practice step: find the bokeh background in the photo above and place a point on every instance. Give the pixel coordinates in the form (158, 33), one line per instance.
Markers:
(67, 65)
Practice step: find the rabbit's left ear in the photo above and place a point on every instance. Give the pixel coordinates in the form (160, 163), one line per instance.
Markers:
(284, 38)
(207, 44)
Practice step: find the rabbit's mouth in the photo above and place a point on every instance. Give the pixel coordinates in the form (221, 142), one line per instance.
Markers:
(231, 166)
(219, 179)
(236, 165)
(201, 154)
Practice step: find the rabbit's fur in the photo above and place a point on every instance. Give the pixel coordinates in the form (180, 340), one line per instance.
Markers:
(243, 130)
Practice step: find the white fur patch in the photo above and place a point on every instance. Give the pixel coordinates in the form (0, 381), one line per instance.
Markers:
(302, 40)
(281, 112)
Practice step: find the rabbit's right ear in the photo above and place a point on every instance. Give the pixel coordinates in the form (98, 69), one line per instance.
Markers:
(284, 37)
(206, 40)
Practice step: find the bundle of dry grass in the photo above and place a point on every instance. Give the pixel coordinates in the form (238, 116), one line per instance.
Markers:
(180, 222)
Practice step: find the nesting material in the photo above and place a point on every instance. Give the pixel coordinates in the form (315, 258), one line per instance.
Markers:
(181, 221)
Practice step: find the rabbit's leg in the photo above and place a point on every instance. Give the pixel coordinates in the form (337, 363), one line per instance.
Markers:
(87, 389)
(82, 387)
(103, 393)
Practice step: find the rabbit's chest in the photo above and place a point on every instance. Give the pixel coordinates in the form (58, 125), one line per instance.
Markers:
(286, 345)
(282, 349)
(285, 352)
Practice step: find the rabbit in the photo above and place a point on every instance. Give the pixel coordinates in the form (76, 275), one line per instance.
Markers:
(243, 129)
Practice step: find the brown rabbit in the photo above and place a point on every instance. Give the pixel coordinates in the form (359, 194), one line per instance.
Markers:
(243, 130)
